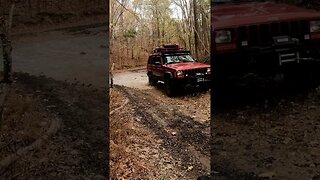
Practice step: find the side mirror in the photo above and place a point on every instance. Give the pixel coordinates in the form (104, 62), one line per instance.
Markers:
(196, 60)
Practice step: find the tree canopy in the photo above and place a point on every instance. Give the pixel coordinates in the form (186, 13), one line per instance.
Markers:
(138, 26)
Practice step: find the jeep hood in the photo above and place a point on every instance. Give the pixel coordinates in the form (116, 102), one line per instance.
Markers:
(186, 66)
(234, 15)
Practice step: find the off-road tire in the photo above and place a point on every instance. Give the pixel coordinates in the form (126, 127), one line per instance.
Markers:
(170, 89)
(204, 87)
(152, 80)
(306, 79)
(314, 78)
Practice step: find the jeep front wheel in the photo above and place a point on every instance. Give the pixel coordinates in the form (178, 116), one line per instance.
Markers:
(170, 90)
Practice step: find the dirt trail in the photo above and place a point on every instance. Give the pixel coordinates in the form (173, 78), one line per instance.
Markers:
(180, 123)
(184, 138)
(132, 78)
(70, 54)
(275, 135)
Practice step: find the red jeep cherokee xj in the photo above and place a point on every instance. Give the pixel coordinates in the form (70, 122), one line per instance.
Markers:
(176, 68)
(264, 39)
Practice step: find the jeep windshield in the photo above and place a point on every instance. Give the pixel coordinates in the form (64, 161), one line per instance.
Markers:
(177, 58)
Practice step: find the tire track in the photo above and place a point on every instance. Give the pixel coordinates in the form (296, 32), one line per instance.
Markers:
(184, 138)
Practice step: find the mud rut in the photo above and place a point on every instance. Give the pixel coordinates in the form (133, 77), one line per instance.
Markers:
(78, 149)
(184, 138)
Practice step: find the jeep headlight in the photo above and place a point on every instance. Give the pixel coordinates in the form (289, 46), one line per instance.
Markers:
(208, 70)
(223, 36)
(314, 26)
(179, 73)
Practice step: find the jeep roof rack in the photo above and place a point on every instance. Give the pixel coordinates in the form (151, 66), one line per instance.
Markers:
(169, 48)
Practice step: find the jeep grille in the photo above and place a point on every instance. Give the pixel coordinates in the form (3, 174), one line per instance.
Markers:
(192, 72)
(262, 34)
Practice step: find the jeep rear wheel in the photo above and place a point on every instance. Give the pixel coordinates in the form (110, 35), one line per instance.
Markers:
(152, 80)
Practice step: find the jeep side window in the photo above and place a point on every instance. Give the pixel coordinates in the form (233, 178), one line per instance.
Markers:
(156, 59)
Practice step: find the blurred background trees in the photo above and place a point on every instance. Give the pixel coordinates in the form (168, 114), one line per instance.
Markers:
(138, 26)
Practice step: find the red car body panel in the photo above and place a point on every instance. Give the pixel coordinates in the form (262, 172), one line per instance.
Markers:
(180, 74)
(186, 66)
(234, 15)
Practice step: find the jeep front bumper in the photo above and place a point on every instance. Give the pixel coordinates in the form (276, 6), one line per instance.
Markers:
(268, 60)
(193, 81)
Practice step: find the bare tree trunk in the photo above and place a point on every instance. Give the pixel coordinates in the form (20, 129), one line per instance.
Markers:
(10, 18)
(7, 60)
(132, 52)
(30, 8)
(121, 62)
(7, 47)
(190, 26)
(158, 28)
(196, 27)
(111, 75)
(127, 49)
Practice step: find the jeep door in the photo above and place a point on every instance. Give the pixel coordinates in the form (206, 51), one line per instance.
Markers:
(156, 66)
